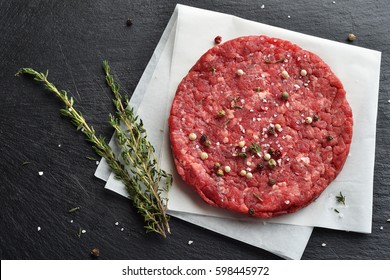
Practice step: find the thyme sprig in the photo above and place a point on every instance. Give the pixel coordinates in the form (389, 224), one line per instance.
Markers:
(140, 158)
(139, 170)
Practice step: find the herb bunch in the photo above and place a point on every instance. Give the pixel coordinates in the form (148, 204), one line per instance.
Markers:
(137, 165)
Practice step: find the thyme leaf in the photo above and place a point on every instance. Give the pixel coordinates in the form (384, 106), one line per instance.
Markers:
(257, 196)
(255, 148)
(340, 198)
(90, 158)
(226, 122)
(273, 61)
(74, 209)
(243, 155)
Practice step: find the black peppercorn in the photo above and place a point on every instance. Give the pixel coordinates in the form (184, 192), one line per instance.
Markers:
(129, 22)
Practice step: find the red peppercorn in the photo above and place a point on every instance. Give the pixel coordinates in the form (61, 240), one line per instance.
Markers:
(218, 40)
(95, 252)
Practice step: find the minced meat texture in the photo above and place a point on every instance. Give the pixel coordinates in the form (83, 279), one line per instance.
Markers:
(260, 126)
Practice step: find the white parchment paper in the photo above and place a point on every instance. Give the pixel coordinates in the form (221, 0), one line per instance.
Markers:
(189, 34)
(152, 91)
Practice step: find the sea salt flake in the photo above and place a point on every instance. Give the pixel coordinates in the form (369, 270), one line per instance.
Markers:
(122, 229)
(40, 173)
(117, 223)
(39, 228)
(323, 244)
(262, 6)
(381, 228)
(190, 242)
(97, 162)
(83, 231)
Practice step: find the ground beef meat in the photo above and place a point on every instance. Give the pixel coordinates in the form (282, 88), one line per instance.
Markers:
(260, 126)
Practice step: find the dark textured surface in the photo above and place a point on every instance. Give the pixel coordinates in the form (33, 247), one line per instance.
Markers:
(71, 38)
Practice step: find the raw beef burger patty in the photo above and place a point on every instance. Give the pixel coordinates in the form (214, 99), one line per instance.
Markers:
(260, 126)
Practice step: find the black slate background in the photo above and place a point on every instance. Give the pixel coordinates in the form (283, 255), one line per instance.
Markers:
(71, 38)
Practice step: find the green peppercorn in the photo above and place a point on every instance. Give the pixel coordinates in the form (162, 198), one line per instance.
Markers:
(220, 172)
(221, 113)
(217, 165)
(251, 211)
(315, 117)
(285, 95)
(271, 163)
(329, 137)
(351, 37)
